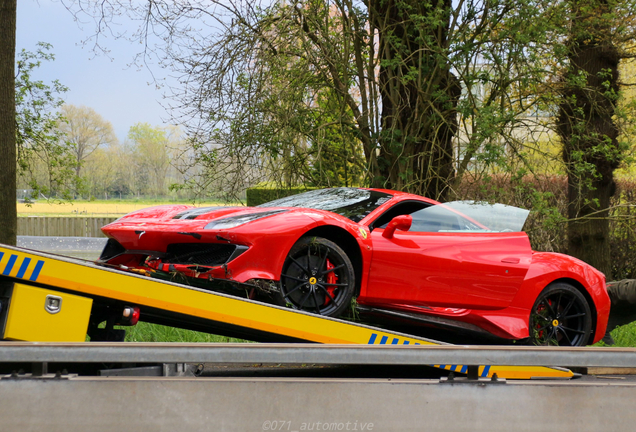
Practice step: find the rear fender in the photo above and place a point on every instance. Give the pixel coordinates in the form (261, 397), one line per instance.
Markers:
(548, 267)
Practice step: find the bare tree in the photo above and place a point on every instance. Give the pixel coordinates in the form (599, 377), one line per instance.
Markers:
(264, 84)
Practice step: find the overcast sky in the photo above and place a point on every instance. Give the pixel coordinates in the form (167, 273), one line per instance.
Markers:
(119, 93)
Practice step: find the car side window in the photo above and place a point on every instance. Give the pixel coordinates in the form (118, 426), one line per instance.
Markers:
(403, 208)
(437, 218)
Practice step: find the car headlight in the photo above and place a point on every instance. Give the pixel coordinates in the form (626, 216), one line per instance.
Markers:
(234, 221)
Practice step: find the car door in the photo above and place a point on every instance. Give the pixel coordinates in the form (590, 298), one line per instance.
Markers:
(448, 260)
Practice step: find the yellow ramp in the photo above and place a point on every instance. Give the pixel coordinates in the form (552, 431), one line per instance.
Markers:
(86, 279)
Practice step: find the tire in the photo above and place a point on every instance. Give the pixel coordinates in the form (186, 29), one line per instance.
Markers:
(560, 316)
(318, 277)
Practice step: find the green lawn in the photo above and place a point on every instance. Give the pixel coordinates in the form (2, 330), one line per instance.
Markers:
(145, 332)
(624, 336)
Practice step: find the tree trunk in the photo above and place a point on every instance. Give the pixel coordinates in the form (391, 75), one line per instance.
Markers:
(419, 96)
(8, 211)
(588, 132)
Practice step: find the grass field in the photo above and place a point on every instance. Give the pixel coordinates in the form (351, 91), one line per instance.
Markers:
(94, 208)
(145, 332)
(624, 336)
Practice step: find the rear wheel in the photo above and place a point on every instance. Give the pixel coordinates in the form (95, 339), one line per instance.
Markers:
(560, 316)
(318, 277)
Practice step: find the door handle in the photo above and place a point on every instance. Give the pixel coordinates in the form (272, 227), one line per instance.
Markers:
(510, 260)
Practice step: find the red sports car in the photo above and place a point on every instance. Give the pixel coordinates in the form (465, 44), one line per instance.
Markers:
(404, 258)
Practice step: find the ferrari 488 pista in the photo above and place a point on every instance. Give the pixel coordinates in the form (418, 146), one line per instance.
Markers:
(402, 257)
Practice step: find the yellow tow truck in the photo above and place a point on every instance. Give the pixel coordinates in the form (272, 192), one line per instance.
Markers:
(45, 297)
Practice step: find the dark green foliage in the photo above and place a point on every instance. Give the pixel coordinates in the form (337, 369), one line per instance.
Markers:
(146, 332)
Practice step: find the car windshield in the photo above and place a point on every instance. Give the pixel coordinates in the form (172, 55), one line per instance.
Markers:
(478, 217)
(351, 203)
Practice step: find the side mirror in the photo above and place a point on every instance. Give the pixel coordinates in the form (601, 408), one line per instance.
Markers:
(403, 223)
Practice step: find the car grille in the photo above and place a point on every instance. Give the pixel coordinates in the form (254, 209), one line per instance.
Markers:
(208, 254)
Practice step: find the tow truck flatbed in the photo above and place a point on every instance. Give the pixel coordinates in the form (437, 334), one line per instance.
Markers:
(57, 298)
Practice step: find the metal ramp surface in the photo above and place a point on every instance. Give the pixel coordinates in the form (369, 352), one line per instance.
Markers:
(188, 307)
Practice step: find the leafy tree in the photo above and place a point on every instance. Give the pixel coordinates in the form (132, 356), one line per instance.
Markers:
(392, 71)
(44, 158)
(151, 150)
(337, 158)
(429, 93)
(27, 121)
(85, 131)
(125, 179)
(419, 95)
(102, 171)
(587, 121)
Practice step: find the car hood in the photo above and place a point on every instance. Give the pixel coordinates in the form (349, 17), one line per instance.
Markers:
(152, 228)
(182, 213)
(181, 218)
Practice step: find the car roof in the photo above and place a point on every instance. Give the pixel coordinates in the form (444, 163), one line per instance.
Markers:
(403, 195)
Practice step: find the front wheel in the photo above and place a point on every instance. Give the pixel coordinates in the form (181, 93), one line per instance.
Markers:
(560, 316)
(318, 277)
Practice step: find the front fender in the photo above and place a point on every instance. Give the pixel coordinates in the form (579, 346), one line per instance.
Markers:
(269, 243)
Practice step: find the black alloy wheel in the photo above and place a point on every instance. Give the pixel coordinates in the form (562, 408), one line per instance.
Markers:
(560, 316)
(318, 277)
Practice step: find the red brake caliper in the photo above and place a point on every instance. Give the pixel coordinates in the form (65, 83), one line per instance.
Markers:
(331, 279)
(541, 309)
